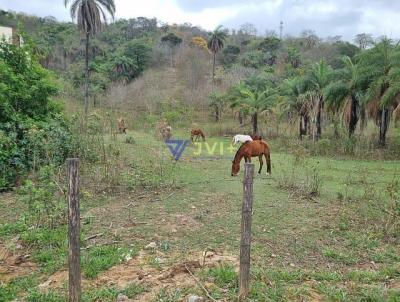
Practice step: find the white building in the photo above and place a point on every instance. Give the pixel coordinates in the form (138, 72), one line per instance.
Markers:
(6, 33)
(9, 34)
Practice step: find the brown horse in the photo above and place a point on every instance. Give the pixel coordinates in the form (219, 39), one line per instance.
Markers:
(251, 149)
(196, 132)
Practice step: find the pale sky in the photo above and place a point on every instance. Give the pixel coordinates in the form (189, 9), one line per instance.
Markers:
(327, 17)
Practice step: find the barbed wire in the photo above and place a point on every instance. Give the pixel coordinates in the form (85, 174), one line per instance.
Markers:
(173, 182)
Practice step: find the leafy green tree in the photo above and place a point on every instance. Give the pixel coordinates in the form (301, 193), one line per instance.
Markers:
(252, 58)
(32, 131)
(230, 53)
(90, 14)
(129, 61)
(344, 49)
(172, 41)
(215, 44)
(270, 46)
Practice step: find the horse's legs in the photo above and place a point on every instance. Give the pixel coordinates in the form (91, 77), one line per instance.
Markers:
(268, 160)
(261, 163)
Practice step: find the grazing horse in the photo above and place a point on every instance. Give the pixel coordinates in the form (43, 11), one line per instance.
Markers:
(256, 137)
(249, 150)
(167, 133)
(196, 132)
(164, 131)
(121, 125)
(241, 138)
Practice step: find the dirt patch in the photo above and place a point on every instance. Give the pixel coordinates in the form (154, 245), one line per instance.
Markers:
(180, 223)
(57, 280)
(141, 271)
(14, 264)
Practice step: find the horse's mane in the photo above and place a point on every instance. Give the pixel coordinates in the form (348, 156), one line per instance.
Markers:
(240, 148)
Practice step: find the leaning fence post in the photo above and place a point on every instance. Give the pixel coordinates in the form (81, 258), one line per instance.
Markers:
(245, 242)
(74, 230)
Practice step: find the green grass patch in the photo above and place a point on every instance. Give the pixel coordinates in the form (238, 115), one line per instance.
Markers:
(224, 276)
(50, 245)
(10, 290)
(35, 295)
(134, 289)
(338, 256)
(18, 227)
(104, 294)
(101, 258)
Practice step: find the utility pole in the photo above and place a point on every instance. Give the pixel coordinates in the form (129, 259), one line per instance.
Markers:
(281, 30)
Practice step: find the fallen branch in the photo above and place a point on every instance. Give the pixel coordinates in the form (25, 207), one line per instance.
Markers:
(59, 187)
(201, 285)
(94, 236)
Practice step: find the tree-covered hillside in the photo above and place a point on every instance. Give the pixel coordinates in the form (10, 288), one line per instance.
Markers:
(316, 82)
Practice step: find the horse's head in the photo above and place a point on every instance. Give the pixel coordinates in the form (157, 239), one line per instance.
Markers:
(235, 168)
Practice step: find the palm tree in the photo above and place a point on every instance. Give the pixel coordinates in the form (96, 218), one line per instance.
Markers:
(215, 43)
(123, 68)
(90, 14)
(217, 102)
(381, 70)
(345, 93)
(295, 102)
(315, 82)
(255, 101)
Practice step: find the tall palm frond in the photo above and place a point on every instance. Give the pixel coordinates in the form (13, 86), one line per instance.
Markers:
(89, 15)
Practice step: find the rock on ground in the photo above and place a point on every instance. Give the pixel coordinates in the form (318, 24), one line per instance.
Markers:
(194, 298)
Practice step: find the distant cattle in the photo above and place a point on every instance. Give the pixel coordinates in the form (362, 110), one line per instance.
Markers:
(121, 125)
(196, 133)
(167, 133)
(164, 131)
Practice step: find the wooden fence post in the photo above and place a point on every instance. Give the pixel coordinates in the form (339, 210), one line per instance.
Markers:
(245, 242)
(74, 230)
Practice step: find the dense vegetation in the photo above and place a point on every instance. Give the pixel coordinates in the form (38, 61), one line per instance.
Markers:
(32, 129)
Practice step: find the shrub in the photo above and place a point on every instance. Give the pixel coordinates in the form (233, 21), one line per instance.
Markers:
(46, 207)
(32, 130)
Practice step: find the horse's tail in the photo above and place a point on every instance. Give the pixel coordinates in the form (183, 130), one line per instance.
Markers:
(268, 159)
(202, 135)
(267, 155)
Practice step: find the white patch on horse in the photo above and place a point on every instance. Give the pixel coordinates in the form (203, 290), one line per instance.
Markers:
(241, 138)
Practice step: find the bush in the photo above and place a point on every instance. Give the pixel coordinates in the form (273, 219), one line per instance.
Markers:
(32, 130)
(46, 205)
(172, 116)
